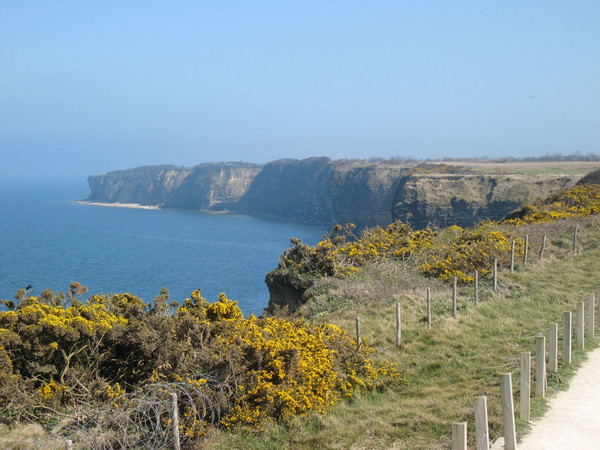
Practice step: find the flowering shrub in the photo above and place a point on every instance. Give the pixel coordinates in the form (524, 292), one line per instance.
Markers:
(341, 254)
(266, 368)
(579, 201)
(466, 250)
(283, 368)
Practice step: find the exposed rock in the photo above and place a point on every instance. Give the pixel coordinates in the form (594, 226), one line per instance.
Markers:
(213, 186)
(285, 290)
(363, 194)
(325, 192)
(292, 190)
(148, 185)
(463, 199)
(591, 178)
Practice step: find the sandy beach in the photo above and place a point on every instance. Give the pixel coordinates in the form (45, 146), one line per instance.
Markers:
(118, 205)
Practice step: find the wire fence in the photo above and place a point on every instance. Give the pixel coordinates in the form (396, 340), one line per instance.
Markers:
(141, 419)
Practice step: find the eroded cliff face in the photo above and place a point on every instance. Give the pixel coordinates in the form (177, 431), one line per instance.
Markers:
(362, 193)
(290, 189)
(444, 199)
(325, 192)
(148, 185)
(215, 186)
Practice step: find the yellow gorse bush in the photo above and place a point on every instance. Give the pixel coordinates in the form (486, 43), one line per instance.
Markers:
(463, 251)
(287, 368)
(341, 254)
(579, 201)
(51, 391)
(257, 370)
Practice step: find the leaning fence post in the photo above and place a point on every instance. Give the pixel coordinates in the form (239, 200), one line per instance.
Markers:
(512, 257)
(579, 329)
(174, 421)
(508, 415)
(476, 287)
(525, 410)
(590, 316)
(398, 325)
(358, 336)
(575, 239)
(526, 249)
(567, 336)
(540, 365)
(553, 347)
(543, 246)
(454, 297)
(428, 308)
(482, 435)
(495, 274)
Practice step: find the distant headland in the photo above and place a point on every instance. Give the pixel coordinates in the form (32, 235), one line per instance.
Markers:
(326, 192)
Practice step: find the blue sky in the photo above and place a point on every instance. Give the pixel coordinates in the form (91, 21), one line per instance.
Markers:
(87, 87)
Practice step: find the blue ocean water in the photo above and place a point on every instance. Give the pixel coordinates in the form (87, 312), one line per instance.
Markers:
(49, 240)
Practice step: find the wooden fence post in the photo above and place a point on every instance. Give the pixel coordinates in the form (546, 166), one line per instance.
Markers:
(476, 287)
(590, 316)
(540, 366)
(459, 436)
(508, 414)
(525, 405)
(553, 347)
(579, 329)
(358, 336)
(512, 257)
(174, 421)
(543, 246)
(454, 298)
(429, 308)
(398, 325)
(495, 275)
(598, 302)
(567, 336)
(575, 239)
(68, 444)
(482, 435)
(526, 250)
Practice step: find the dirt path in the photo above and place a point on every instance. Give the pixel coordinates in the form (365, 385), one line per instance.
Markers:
(573, 420)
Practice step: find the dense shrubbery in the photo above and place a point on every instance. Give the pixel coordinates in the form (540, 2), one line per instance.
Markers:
(56, 356)
(445, 254)
(341, 253)
(460, 252)
(579, 201)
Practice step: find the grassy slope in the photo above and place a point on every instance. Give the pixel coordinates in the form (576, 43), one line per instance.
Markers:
(447, 366)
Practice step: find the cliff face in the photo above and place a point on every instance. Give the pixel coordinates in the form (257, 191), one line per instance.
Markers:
(325, 192)
(363, 194)
(213, 186)
(149, 185)
(206, 186)
(464, 198)
(291, 190)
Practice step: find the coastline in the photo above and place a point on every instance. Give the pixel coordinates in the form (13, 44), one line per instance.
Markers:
(118, 205)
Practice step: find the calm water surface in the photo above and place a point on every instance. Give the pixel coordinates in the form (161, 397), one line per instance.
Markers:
(48, 240)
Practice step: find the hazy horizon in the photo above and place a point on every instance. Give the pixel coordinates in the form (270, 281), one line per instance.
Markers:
(86, 88)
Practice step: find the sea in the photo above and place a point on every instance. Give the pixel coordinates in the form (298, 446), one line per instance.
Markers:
(48, 240)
